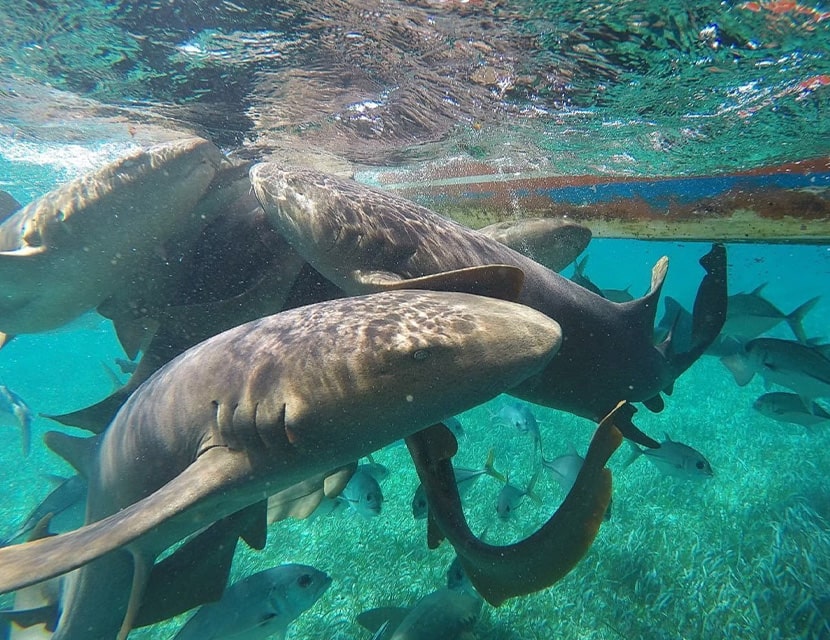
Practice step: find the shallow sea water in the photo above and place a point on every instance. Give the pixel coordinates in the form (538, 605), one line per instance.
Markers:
(745, 554)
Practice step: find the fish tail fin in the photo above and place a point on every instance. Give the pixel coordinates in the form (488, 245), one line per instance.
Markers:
(490, 470)
(795, 319)
(738, 365)
(531, 488)
(636, 452)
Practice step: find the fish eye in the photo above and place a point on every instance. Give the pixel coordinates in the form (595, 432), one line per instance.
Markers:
(700, 464)
(420, 354)
(304, 580)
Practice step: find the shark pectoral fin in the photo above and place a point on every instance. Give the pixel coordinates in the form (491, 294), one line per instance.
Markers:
(300, 500)
(210, 476)
(46, 615)
(196, 573)
(95, 417)
(535, 563)
(75, 450)
(337, 480)
(142, 566)
(22, 252)
(493, 281)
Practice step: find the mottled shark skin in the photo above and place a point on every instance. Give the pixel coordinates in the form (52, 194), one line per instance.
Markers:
(64, 253)
(362, 238)
(262, 407)
(552, 242)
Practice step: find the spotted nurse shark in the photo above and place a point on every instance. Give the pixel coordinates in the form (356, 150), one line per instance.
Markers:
(264, 406)
(363, 238)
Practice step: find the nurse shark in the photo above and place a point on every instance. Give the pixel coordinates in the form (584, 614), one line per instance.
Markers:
(262, 407)
(363, 238)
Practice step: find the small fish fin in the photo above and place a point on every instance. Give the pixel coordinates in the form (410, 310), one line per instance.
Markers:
(493, 281)
(25, 564)
(46, 615)
(757, 290)
(382, 618)
(196, 573)
(739, 368)
(795, 319)
(580, 265)
(636, 452)
(96, 417)
(76, 450)
(667, 436)
(490, 470)
(530, 492)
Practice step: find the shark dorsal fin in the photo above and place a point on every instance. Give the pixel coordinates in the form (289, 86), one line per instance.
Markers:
(493, 281)
(76, 450)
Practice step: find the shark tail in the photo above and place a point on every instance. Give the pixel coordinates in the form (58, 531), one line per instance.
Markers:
(708, 314)
(795, 319)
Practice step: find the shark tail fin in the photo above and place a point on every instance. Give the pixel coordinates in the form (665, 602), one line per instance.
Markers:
(708, 313)
(797, 317)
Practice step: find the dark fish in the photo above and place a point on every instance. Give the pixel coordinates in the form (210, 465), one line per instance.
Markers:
(259, 606)
(799, 367)
(792, 408)
(464, 479)
(583, 280)
(749, 314)
(675, 459)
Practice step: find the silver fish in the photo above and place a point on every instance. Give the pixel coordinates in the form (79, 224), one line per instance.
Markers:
(259, 606)
(675, 459)
(445, 614)
(519, 415)
(799, 367)
(750, 314)
(792, 408)
(511, 496)
(14, 405)
(363, 493)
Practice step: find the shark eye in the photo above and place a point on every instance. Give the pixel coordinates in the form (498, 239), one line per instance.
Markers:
(304, 581)
(420, 354)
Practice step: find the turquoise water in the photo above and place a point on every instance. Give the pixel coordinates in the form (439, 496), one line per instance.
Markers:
(641, 90)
